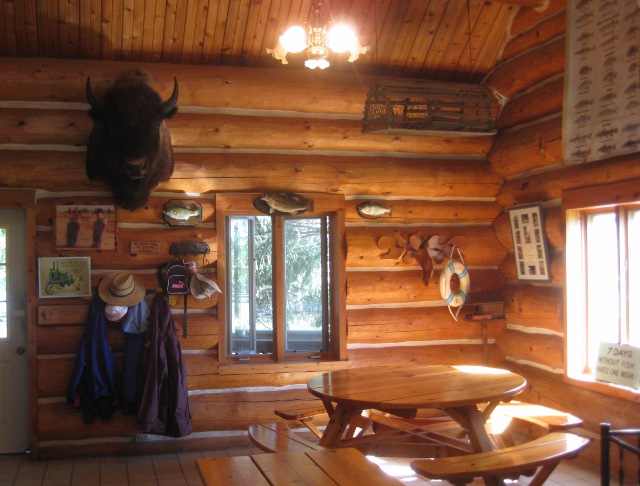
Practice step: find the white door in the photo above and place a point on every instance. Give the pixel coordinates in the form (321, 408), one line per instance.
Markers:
(14, 387)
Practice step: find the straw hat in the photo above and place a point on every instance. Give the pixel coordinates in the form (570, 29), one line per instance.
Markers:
(121, 289)
(202, 287)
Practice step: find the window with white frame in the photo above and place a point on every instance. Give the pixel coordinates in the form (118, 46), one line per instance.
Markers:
(602, 258)
(283, 282)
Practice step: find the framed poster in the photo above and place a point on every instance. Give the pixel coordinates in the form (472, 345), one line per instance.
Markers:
(64, 277)
(601, 105)
(85, 227)
(530, 242)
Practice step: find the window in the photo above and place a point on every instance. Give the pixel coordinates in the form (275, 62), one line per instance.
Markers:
(283, 282)
(602, 256)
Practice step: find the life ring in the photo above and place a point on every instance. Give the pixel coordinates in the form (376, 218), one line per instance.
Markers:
(457, 271)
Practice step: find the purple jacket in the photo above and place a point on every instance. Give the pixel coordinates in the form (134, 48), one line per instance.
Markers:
(164, 406)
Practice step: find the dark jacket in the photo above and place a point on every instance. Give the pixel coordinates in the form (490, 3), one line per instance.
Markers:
(164, 405)
(94, 379)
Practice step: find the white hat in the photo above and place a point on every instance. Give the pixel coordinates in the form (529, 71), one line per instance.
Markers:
(202, 287)
(115, 312)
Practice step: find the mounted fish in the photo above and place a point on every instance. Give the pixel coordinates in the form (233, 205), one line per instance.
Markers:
(282, 203)
(129, 147)
(181, 212)
(373, 210)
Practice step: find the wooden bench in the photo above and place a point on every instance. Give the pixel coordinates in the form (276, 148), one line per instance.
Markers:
(545, 452)
(346, 467)
(310, 414)
(550, 419)
(279, 437)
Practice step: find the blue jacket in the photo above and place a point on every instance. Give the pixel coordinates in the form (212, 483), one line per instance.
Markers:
(95, 371)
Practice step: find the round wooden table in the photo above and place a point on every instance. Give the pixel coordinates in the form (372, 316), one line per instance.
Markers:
(462, 392)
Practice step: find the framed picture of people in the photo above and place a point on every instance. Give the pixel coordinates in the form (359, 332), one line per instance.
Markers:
(85, 227)
(530, 242)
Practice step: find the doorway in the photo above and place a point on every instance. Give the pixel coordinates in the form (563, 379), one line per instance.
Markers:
(14, 363)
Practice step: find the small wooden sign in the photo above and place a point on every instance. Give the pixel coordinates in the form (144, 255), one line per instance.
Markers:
(144, 248)
(619, 364)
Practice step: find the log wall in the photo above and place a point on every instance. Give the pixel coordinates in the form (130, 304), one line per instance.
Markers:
(249, 130)
(261, 130)
(528, 153)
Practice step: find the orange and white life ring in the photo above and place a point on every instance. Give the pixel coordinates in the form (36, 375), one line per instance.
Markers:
(454, 284)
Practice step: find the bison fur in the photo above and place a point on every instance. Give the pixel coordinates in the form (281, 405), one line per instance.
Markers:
(129, 147)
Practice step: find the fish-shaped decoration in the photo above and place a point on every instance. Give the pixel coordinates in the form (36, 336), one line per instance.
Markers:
(283, 203)
(373, 210)
(181, 214)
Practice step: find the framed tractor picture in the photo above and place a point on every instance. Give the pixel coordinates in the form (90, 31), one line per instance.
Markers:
(64, 277)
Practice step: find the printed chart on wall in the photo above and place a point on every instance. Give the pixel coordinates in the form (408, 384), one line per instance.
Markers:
(602, 85)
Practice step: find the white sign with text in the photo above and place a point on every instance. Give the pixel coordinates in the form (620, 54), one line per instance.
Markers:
(619, 364)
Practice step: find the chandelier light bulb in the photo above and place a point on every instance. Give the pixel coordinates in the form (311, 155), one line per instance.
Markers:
(341, 38)
(294, 39)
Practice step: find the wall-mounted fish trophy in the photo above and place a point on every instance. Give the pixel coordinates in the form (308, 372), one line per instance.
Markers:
(424, 251)
(282, 203)
(182, 212)
(373, 210)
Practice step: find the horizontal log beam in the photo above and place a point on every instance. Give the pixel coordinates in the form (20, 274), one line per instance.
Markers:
(229, 132)
(63, 80)
(542, 101)
(542, 349)
(549, 185)
(532, 67)
(478, 244)
(544, 31)
(214, 172)
(531, 147)
(535, 306)
(400, 325)
(364, 288)
(417, 211)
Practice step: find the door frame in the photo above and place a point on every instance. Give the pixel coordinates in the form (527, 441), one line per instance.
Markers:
(26, 199)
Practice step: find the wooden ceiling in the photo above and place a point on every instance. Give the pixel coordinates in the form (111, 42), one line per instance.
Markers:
(407, 38)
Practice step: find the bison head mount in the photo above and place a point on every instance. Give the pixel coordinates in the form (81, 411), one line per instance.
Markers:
(129, 147)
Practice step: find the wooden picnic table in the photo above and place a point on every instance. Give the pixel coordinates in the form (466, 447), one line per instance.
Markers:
(346, 467)
(461, 392)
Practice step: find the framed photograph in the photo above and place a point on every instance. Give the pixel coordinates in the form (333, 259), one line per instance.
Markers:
(85, 227)
(64, 277)
(530, 242)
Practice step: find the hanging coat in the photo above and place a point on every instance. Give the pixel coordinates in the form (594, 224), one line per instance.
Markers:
(164, 405)
(94, 379)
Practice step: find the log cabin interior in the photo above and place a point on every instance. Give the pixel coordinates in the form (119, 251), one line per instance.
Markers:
(248, 124)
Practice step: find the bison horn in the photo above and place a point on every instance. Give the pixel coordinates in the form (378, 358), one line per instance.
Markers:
(170, 104)
(95, 104)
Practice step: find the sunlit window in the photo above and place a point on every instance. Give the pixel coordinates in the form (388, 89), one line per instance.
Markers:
(281, 275)
(603, 282)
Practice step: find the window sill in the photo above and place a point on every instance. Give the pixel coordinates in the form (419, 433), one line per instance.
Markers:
(617, 391)
(315, 367)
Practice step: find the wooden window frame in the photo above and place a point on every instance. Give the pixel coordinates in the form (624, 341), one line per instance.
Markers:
(241, 204)
(583, 201)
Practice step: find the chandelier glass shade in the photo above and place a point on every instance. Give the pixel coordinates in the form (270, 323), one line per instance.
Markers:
(318, 41)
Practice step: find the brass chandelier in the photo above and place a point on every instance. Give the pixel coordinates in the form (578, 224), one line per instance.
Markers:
(319, 41)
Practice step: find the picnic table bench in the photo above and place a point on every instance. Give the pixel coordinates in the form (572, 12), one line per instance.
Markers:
(545, 453)
(346, 467)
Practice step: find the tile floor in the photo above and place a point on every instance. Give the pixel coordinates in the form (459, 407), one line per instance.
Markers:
(180, 470)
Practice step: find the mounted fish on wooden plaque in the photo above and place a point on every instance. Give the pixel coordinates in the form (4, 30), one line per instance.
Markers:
(182, 212)
(282, 203)
(373, 210)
